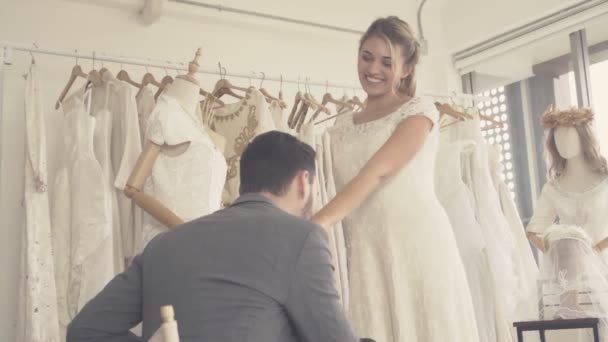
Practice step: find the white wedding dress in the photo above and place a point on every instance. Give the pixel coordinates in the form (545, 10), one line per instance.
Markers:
(37, 320)
(458, 202)
(189, 182)
(407, 280)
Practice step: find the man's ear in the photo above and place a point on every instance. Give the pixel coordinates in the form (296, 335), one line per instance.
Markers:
(303, 181)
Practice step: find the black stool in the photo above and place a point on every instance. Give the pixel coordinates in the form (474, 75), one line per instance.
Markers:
(558, 324)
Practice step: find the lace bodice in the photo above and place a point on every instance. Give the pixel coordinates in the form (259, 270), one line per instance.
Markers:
(586, 209)
(239, 123)
(406, 278)
(189, 183)
(354, 144)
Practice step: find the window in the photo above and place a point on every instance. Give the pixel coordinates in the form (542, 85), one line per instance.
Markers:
(497, 109)
(599, 85)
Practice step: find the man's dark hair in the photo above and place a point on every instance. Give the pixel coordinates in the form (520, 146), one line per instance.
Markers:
(272, 160)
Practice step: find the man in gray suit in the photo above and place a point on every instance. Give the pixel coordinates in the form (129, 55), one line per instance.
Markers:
(257, 271)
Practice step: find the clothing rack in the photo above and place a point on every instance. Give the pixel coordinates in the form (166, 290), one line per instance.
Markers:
(7, 49)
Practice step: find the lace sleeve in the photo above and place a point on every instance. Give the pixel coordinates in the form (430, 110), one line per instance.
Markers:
(544, 213)
(418, 106)
(167, 127)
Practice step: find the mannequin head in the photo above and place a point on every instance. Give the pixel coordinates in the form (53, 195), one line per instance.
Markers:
(388, 54)
(567, 142)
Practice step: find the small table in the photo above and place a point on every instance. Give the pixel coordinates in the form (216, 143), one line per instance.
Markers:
(558, 324)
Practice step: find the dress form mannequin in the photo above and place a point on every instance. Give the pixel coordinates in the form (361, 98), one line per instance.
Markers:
(578, 175)
(185, 89)
(185, 92)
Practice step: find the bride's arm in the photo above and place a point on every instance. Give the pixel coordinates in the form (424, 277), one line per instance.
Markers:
(601, 246)
(397, 151)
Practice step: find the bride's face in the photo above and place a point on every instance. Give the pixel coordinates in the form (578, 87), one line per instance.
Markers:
(377, 74)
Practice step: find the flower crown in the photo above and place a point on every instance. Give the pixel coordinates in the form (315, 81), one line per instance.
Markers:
(569, 117)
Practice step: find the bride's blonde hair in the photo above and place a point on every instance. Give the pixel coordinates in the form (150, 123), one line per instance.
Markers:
(397, 32)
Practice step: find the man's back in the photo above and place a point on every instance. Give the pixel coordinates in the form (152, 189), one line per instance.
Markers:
(248, 273)
(228, 273)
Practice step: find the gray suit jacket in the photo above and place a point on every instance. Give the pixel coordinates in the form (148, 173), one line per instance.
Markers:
(248, 273)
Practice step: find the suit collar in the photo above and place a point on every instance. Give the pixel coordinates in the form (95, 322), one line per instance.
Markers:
(247, 198)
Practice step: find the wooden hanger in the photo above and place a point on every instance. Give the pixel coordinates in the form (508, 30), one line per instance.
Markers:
(124, 76)
(301, 117)
(495, 123)
(356, 101)
(76, 72)
(328, 98)
(163, 84)
(446, 109)
(149, 79)
(269, 97)
(224, 87)
(333, 117)
(105, 73)
(310, 100)
(292, 116)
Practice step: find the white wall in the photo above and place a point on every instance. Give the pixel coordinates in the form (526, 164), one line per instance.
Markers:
(240, 43)
(469, 21)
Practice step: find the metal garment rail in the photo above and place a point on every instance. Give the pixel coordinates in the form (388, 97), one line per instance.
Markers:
(6, 49)
(222, 8)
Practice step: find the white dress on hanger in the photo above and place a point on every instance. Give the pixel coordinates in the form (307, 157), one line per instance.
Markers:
(325, 190)
(38, 316)
(239, 123)
(189, 182)
(279, 118)
(145, 105)
(337, 230)
(81, 216)
(458, 202)
(407, 280)
(102, 143)
(117, 100)
(126, 149)
(526, 306)
(500, 242)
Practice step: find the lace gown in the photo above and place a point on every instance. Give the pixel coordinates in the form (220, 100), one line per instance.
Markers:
(325, 190)
(527, 270)
(38, 316)
(458, 202)
(81, 215)
(570, 267)
(190, 181)
(407, 280)
(239, 123)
